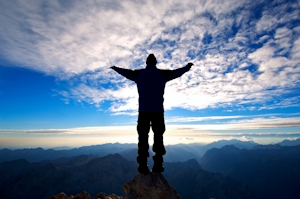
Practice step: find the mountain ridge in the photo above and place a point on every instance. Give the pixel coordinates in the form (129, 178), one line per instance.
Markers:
(178, 152)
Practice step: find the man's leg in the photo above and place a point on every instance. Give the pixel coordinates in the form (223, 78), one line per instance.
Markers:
(158, 127)
(143, 129)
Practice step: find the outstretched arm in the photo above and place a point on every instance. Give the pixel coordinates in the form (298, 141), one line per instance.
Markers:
(129, 74)
(173, 74)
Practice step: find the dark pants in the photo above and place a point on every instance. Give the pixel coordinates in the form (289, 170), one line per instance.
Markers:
(157, 122)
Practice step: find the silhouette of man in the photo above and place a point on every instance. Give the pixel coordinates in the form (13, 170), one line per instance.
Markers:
(151, 83)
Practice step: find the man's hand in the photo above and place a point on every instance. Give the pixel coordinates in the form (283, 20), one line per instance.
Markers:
(113, 67)
(190, 64)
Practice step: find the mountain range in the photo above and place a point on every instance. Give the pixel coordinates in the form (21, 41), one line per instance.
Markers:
(179, 152)
(39, 154)
(271, 171)
(22, 179)
(290, 142)
(229, 169)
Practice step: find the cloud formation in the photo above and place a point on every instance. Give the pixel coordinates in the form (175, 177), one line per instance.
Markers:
(259, 129)
(216, 123)
(244, 57)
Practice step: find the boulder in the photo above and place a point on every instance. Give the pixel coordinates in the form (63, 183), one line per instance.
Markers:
(152, 185)
(101, 195)
(83, 195)
(61, 195)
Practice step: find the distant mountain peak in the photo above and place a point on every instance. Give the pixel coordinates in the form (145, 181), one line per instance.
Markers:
(269, 146)
(290, 142)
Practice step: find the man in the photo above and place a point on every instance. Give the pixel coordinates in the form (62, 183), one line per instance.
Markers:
(151, 83)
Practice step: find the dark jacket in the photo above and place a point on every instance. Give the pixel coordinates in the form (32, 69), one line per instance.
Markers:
(151, 83)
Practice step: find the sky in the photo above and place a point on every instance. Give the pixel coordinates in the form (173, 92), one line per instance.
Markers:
(57, 88)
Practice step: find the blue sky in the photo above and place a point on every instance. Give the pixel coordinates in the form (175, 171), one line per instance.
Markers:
(56, 88)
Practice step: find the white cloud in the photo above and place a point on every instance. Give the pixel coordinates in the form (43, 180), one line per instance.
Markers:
(260, 123)
(198, 119)
(262, 54)
(267, 22)
(242, 123)
(287, 102)
(277, 14)
(296, 51)
(234, 119)
(71, 38)
(126, 94)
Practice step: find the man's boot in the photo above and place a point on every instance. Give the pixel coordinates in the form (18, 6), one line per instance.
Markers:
(143, 165)
(158, 163)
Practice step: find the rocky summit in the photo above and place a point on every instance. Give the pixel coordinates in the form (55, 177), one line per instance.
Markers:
(152, 185)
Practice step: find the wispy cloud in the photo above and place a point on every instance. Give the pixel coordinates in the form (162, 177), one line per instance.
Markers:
(244, 58)
(198, 119)
(246, 124)
(268, 129)
(101, 130)
(216, 123)
(229, 118)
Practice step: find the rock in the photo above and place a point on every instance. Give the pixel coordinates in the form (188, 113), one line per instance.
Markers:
(101, 195)
(152, 185)
(113, 196)
(83, 195)
(61, 195)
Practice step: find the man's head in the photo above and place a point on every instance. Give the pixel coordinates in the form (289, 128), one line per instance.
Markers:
(151, 60)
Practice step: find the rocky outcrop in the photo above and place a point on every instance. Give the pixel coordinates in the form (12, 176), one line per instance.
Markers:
(101, 195)
(152, 185)
(85, 195)
(61, 196)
